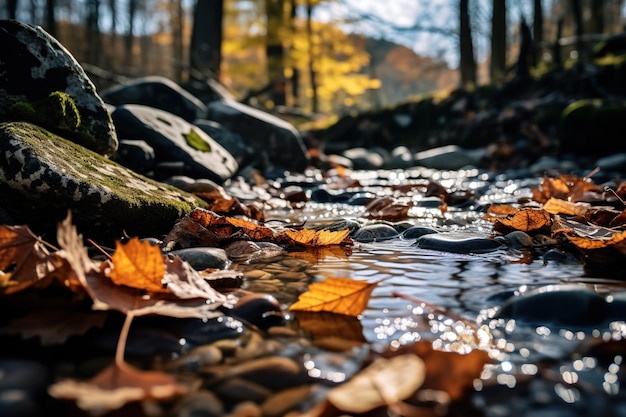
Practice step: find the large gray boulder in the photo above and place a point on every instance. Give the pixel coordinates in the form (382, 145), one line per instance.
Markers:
(42, 176)
(175, 142)
(272, 139)
(158, 92)
(41, 82)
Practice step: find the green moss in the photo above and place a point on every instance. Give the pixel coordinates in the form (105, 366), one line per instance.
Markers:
(56, 110)
(194, 140)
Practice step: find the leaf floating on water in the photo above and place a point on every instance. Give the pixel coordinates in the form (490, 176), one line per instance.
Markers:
(116, 386)
(138, 264)
(309, 237)
(336, 295)
(385, 382)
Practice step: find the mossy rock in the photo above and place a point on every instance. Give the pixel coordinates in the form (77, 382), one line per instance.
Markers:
(45, 175)
(593, 127)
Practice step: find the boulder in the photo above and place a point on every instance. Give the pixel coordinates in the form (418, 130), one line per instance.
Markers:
(42, 176)
(186, 149)
(272, 139)
(41, 82)
(231, 141)
(449, 157)
(158, 92)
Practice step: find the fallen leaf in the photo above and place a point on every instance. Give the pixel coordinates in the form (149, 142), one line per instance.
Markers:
(526, 220)
(310, 237)
(24, 259)
(558, 206)
(384, 382)
(185, 282)
(320, 325)
(336, 295)
(138, 264)
(387, 208)
(116, 386)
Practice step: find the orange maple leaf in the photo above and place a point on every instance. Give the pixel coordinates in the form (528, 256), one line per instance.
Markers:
(336, 295)
(309, 237)
(138, 264)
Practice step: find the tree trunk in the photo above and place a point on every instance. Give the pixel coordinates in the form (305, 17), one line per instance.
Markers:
(498, 41)
(51, 22)
(537, 30)
(206, 40)
(578, 23)
(312, 75)
(176, 8)
(12, 8)
(275, 50)
(93, 32)
(597, 16)
(468, 63)
(130, 34)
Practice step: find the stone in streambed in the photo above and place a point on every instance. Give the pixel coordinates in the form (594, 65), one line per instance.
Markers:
(457, 243)
(201, 258)
(374, 233)
(42, 176)
(41, 82)
(175, 141)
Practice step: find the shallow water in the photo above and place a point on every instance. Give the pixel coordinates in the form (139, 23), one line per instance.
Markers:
(450, 290)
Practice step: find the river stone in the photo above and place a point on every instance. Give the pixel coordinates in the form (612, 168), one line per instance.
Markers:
(374, 233)
(201, 258)
(42, 176)
(457, 243)
(158, 92)
(175, 140)
(231, 141)
(136, 155)
(32, 66)
(270, 137)
(449, 157)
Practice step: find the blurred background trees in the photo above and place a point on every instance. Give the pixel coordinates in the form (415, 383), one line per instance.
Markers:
(303, 54)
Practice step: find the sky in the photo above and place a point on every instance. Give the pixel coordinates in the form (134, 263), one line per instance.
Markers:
(432, 13)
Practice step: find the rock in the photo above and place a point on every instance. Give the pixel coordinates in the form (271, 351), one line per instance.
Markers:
(200, 403)
(615, 162)
(457, 243)
(374, 233)
(415, 232)
(175, 141)
(42, 176)
(136, 155)
(450, 157)
(270, 137)
(41, 82)
(363, 158)
(159, 93)
(201, 258)
(231, 141)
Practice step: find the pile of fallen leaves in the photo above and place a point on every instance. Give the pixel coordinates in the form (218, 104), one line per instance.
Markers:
(140, 279)
(577, 214)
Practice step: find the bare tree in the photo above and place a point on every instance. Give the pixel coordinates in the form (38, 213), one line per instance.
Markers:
(206, 39)
(12, 8)
(498, 41)
(537, 29)
(468, 62)
(312, 75)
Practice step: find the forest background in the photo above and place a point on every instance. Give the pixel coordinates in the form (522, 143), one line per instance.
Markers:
(320, 56)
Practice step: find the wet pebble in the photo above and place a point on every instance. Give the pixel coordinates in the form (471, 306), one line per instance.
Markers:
(238, 389)
(519, 240)
(457, 243)
(272, 372)
(555, 255)
(21, 382)
(344, 224)
(262, 310)
(375, 233)
(282, 402)
(429, 202)
(248, 251)
(200, 403)
(415, 232)
(196, 358)
(201, 258)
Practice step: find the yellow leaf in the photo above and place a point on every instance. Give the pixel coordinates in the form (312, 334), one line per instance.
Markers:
(308, 237)
(527, 220)
(138, 264)
(336, 295)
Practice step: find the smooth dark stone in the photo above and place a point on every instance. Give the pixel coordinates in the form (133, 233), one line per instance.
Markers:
(136, 155)
(563, 306)
(344, 224)
(555, 255)
(429, 202)
(375, 233)
(361, 199)
(202, 332)
(19, 374)
(457, 243)
(231, 141)
(322, 195)
(201, 258)
(159, 93)
(262, 310)
(417, 232)
(519, 240)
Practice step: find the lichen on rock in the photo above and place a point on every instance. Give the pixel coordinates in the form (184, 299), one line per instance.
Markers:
(43, 175)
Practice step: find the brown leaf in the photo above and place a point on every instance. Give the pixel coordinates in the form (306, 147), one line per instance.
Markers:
(185, 282)
(138, 264)
(116, 386)
(336, 295)
(387, 208)
(320, 325)
(384, 382)
(558, 206)
(309, 237)
(526, 220)
(24, 259)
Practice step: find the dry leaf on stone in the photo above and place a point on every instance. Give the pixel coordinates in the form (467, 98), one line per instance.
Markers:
(139, 265)
(116, 386)
(384, 382)
(558, 206)
(24, 259)
(185, 282)
(336, 295)
(316, 238)
(107, 295)
(526, 220)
